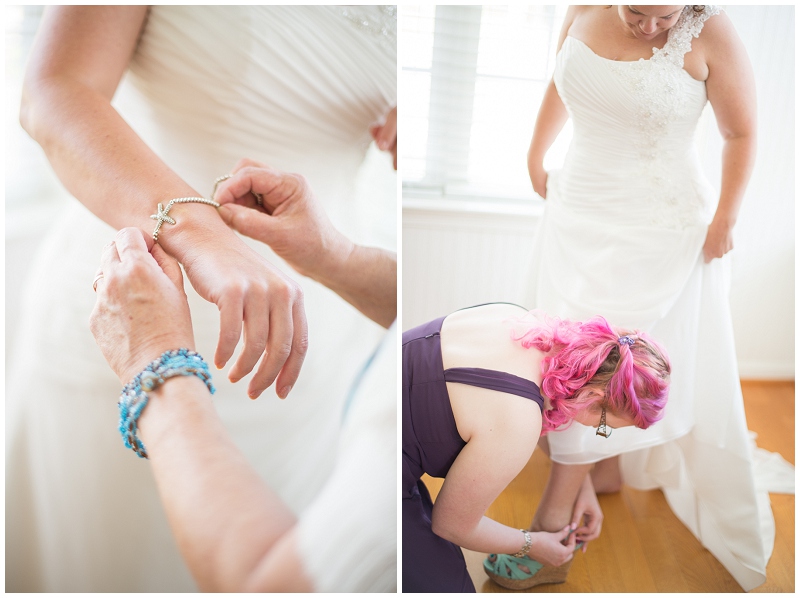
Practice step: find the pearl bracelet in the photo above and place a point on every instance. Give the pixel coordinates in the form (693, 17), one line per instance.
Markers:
(163, 213)
(133, 400)
(525, 549)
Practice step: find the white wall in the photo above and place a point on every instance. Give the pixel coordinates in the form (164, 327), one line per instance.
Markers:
(454, 254)
(763, 282)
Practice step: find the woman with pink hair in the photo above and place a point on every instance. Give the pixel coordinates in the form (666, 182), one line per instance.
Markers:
(480, 387)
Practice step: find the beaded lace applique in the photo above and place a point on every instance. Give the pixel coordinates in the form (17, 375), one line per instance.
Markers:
(662, 89)
(690, 24)
(379, 21)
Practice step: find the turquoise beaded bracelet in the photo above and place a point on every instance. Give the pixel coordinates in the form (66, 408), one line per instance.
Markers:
(133, 400)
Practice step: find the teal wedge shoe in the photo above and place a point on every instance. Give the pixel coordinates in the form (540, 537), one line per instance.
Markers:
(521, 573)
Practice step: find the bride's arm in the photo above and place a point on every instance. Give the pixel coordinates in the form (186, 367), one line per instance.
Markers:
(76, 64)
(80, 55)
(731, 91)
(549, 122)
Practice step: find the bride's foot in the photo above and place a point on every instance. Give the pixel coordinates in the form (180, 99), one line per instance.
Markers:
(521, 573)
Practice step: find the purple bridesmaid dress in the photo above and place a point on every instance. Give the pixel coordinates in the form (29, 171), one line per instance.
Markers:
(430, 445)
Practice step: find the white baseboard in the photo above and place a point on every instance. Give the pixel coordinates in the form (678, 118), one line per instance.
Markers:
(753, 370)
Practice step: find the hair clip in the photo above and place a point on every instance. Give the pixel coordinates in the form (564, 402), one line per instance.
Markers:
(627, 340)
(603, 429)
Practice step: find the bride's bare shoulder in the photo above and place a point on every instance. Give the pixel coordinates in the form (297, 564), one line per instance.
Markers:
(717, 35)
(574, 12)
(721, 48)
(587, 10)
(580, 19)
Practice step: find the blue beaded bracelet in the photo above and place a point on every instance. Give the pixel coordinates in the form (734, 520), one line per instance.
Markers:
(133, 400)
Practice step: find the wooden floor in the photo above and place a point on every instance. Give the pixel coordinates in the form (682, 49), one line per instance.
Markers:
(643, 546)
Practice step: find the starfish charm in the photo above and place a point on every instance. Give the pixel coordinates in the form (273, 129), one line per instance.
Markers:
(161, 216)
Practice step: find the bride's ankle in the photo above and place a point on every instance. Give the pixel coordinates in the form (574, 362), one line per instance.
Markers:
(548, 524)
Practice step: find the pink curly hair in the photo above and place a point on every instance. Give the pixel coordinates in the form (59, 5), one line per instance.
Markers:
(587, 365)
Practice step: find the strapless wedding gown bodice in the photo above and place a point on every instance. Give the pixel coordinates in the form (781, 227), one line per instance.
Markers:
(634, 125)
(631, 174)
(296, 87)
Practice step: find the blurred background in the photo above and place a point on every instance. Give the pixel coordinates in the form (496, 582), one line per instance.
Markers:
(471, 81)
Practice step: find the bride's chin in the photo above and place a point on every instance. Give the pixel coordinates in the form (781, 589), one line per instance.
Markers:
(647, 37)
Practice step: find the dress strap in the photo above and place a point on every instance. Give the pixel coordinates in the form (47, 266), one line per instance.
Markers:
(493, 303)
(690, 24)
(494, 380)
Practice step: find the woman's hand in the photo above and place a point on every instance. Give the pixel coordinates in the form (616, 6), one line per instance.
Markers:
(256, 298)
(385, 135)
(553, 548)
(588, 510)
(141, 308)
(732, 92)
(539, 181)
(719, 240)
(290, 220)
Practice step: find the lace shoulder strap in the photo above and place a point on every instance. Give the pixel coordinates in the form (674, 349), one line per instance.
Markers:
(690, 24)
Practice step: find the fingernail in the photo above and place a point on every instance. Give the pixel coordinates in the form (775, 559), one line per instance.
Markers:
(253, 394)
(285, 392)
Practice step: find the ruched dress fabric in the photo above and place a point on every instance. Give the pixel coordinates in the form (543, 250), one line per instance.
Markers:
(622, 235)
(362, 556)
(431, 444)
(295, 87)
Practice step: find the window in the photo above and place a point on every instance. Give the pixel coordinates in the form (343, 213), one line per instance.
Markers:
(472, 79)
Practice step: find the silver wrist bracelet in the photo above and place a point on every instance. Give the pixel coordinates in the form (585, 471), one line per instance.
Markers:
(525, 549)
(162, 215)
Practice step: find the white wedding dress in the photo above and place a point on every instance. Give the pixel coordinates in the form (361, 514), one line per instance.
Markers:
(295, 87)
(622, 236)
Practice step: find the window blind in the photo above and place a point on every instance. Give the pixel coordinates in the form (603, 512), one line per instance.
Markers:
(472, 80)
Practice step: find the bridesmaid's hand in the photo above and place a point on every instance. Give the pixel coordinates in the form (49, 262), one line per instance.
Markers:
(553, 549)
(141, 308)
(719, 240)
(251, 293)
(385, 134)
(588, 511)
(539, 181)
